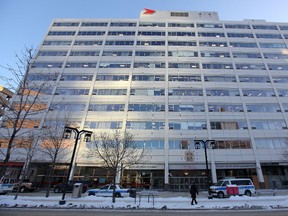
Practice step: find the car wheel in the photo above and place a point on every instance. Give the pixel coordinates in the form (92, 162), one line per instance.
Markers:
(56, 190)
(247, 193)
(220, 195)
(117, 194)
(22, 189)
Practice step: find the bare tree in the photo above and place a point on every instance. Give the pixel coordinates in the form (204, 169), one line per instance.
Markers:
(27, 102)
(116, 151)
(30, 147)
(54, 147)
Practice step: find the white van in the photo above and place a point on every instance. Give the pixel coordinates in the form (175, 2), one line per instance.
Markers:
(244, 187)
(6, 185)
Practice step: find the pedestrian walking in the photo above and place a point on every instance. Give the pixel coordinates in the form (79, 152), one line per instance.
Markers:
(194, 193)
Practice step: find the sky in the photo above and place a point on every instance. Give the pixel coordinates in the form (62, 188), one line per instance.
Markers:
(266, 202)
(24, 23)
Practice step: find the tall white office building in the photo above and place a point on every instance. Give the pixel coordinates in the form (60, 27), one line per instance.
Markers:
(178, 81)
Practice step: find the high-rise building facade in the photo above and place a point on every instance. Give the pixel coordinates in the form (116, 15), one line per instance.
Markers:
(175, 80)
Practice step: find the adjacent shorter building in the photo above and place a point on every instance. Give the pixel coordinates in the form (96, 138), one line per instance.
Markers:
(174, 80)
(5, 96)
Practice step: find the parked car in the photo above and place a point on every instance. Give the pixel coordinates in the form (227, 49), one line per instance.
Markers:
(59, 188)
(107, 190)
(6, 185)
(25, 186)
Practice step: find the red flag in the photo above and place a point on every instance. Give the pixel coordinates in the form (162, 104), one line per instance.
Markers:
(148, 11)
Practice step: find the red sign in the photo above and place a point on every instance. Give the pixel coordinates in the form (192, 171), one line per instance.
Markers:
(149, 11)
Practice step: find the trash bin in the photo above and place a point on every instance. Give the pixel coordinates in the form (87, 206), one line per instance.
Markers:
(77, 190)
(232, 190)
(133, 192)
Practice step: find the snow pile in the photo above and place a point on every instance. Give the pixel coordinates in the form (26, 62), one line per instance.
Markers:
(92, 202)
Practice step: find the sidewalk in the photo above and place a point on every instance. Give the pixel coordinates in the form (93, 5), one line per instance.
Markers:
(165, 200)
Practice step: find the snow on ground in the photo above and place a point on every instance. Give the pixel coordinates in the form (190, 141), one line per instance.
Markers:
(234, 202)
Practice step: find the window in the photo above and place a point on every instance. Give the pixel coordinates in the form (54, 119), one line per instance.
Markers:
(237, 26)
(269, 36)
(182, 43)
(256, 79)
(212, 44)
(117, 53)
(148, 92)
(228, 125)
(273, 45)
(109, 92)
(150, 43)
(61, 33)
(51, 53)
(263, 108)
(142, 125)
(275, 55)
(87, 43)
(209, 25)
(151, 33)
(271, 143)
(240, 44)
(179, 14)
(265, 27)
(84, 53)
(72, 77)
(222, 92)
(106, 107)
(211, 34)
(250, 66)
(225, 108)
(56, 43)
(119, 43)
(280, 79)
(46, 65)
(71, 91)
(268, 124)
(180, 34)
(183, 25)
(121, 33)
(185, 125)
(68, 24)
(81, 65)
(240, 35)
(103, 124)
(114, 65)
(67, 107)
(123, 24)
(146, 107)
(94, 24)
(215, 54)
(148, 78)
(183, 65)
(258, 93)
(186, 108)
(278, 66)
(183, 53)
(224, 78)
(112, 77)
(183, 78)
(246, 55)
(149, 64)
(151, 24)
(91, 33)
(150, 144)
(217, 66)
(186, 92)
(150, 53)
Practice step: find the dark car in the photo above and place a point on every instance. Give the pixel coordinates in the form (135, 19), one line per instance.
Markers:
(59, 188)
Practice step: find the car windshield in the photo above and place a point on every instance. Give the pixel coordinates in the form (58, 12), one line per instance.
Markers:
(219, 183)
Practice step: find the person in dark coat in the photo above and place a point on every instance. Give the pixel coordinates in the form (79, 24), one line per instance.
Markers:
(194, 193)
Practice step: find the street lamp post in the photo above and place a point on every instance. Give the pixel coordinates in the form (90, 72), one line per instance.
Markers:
(67, 135)
(211, 143)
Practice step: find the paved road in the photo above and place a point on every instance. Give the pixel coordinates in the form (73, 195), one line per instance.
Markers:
(65, 212)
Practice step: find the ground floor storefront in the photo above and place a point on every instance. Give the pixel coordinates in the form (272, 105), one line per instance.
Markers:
(153, 177)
